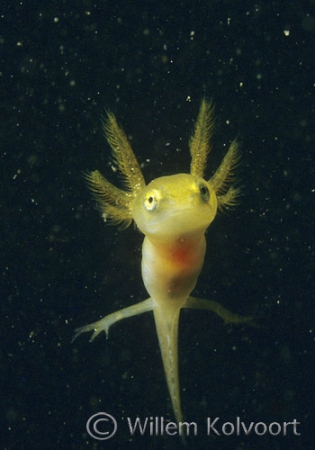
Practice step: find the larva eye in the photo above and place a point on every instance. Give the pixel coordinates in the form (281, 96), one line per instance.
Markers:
(151, 199)
(204, 192)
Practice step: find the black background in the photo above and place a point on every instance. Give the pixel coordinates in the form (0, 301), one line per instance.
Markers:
(151, 63)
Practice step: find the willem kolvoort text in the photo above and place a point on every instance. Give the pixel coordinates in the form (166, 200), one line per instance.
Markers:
(159, 426)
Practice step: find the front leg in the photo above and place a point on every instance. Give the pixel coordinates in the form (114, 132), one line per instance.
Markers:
(211, 305)
(106, 322)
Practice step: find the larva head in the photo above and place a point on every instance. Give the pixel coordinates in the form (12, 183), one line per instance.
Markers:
(174, 206)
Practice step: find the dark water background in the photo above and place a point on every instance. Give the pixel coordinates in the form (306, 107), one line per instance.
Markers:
(61, 64)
